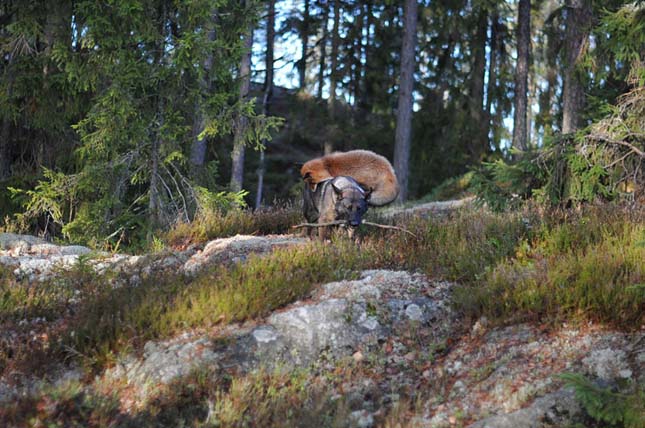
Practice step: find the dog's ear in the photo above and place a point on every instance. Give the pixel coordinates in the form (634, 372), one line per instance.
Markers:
(338, 191)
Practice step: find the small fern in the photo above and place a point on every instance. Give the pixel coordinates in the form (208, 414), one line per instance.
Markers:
(604, 405)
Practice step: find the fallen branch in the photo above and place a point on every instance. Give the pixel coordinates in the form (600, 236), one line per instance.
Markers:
(384, 226)
(341, 222)
(331, 223)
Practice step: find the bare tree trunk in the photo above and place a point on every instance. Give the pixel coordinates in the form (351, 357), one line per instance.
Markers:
(333, 75)
(323, 54)
(154, 203)
(405, 102)
(5, 131)
(578, 21)
(521, 75)
(237, 173)
(364, 98)
(546, 97)
(358, 59)
(268, 92)
(198, 146)
(492, 75)
(304, 38)
(479, 141)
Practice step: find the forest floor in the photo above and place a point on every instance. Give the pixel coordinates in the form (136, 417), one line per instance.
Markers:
(276, 330)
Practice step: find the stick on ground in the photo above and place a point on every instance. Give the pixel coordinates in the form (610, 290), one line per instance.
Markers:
(340, 222)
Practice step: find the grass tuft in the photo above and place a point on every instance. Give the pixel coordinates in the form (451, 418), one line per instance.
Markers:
(588, 268)
(216, 224)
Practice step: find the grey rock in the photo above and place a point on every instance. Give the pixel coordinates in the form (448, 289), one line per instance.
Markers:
(265, 334)
(559, 408)
(12, 241)
(164, 362)
(608, 364)
(236, 248)
(414, 312)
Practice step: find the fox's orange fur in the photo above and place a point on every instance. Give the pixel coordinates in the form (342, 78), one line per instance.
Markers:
(372, 171)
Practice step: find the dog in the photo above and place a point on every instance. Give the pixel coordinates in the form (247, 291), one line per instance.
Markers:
(370, 170)
(338, 198)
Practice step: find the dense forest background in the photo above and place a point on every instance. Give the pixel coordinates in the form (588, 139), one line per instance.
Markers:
(121, 117)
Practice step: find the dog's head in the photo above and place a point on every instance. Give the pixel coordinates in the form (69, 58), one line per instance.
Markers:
(351, 200)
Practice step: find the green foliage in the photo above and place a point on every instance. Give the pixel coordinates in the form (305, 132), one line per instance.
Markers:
(51, 197)
(603, 161)
(138, 68)
(505, 185)
(606, 406)
(562, 173)
(589, 267)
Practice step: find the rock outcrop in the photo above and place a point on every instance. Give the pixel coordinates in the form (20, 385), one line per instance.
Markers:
(341, 319)
(34, 259)
(398, 325)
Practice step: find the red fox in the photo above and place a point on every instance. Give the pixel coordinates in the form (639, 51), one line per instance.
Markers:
(373, 172)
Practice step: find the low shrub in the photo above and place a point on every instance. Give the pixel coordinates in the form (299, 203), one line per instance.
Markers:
(589, 268)
(219, 224)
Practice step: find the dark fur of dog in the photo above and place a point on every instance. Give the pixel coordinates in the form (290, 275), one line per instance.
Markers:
(338, 198)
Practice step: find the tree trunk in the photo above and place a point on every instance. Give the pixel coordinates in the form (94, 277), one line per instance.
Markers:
(268, 92)
(198, 146)
(5, 131)
(364, 100)
(154, 201)
(578, 21)
(479, 141)
(323, 53)
(333, 75)
(545, 116)
(405, 101)
(358, 59)
(237, 173)
(521, 75)
(304, 38)
(492, 76)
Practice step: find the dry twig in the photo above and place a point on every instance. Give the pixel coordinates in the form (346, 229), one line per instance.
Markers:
(341, 222)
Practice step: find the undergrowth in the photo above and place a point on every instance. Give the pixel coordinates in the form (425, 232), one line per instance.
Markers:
(214, 224)
(586, 266)
(606, 406)
(520, 266)
(204, 398)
